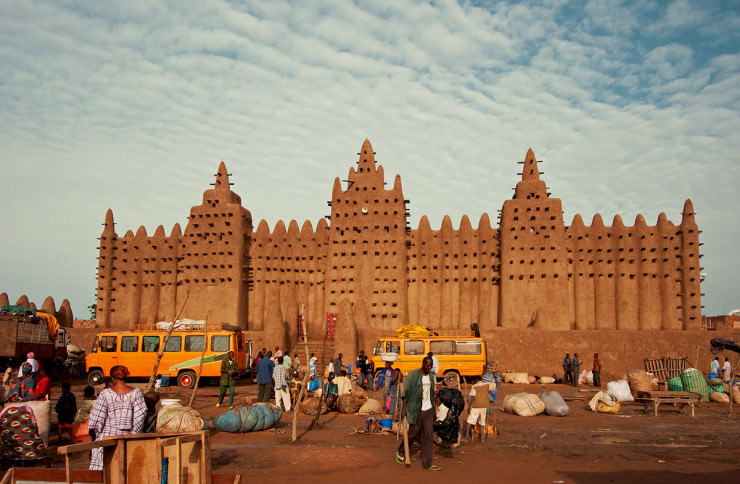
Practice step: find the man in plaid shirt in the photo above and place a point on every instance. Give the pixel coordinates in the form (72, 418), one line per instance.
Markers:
(281, 385)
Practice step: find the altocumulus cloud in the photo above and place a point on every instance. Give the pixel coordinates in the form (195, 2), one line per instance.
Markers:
(131, 106)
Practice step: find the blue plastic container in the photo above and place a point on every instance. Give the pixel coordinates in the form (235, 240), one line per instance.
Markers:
(386, 423)
(164, 381)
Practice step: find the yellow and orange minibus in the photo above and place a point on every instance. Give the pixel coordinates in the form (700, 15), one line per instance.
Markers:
(138, 350)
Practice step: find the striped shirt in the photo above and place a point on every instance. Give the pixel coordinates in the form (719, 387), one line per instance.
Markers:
(278, 374)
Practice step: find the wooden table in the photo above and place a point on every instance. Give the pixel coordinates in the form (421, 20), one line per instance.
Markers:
(655, 398)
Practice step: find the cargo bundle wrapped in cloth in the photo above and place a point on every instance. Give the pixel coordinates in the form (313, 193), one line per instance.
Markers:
(251, 418)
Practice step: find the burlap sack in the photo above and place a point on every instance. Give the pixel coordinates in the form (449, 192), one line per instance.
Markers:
(640, 381)
(310, 405)
(349, 403)
(178, 418)
(372, 406)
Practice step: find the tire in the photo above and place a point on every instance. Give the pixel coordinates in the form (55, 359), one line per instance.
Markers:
(186, 379)
(451, 379)
(95, 377)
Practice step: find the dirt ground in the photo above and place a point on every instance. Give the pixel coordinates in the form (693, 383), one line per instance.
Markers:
(584, 447)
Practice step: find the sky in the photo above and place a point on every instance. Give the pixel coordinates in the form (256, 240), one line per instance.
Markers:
(633, 107)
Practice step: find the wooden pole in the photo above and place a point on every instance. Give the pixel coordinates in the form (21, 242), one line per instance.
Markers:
(407, 456)
(732, 376)
(200, 367)
(153, 377)
(305, 378)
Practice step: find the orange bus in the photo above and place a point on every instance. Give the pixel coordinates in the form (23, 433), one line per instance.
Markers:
(458, 355)
(138, 350)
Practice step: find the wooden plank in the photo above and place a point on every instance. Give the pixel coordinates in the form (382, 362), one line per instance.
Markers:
(74, 448)
(206, 457)
(8, 477)
(143, 460)
(56, 475)
(184, 438)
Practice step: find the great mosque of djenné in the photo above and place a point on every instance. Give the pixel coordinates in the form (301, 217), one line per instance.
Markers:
(365, 272)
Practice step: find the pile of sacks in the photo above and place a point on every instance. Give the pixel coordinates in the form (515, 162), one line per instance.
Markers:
(179, 418)
(529, 404)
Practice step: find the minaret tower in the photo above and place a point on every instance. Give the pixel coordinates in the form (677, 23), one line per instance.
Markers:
(534, 265)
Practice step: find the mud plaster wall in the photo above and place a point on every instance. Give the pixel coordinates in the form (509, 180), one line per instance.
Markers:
(369, 266)
(541, 352)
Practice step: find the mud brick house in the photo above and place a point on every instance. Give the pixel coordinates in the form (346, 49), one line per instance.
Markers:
(365, 271)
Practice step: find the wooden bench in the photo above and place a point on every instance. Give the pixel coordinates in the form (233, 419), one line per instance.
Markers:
(678, 399)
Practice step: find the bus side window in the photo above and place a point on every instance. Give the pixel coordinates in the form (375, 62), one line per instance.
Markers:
(468, 347)
(129, 344)
(150, 344)
(443, 347)
(194, 342)
(413, 347)
(174, 344)
(220, 343)
(392, 347)
(108, 344)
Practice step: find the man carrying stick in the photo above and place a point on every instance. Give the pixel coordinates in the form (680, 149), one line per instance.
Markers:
(418, 407)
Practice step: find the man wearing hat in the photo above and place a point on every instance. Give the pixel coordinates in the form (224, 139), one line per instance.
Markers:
(31, 360)
(478, 401)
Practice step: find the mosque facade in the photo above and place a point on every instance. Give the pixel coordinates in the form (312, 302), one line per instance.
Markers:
(363, 270)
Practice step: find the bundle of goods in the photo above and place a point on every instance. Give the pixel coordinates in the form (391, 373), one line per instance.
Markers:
(621, 390)
(719, 397)
(372, 406)
(640, 381)
(675, 385)
(178, 418)
(604, 402)
(736, 394)
(514, 377)
(252, 418)
(350, 403)
(693, 381)
(716, 388)
(547, 380)
(413, 331)
(310, 406)
(554, 404)
(586, 378)
(713, 379)
(524, 404)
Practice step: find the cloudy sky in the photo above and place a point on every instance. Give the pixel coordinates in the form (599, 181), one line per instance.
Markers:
(633, 106)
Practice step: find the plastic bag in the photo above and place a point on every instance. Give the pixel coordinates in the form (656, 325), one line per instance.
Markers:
(524, 404)
(621, 390)
(554, 404)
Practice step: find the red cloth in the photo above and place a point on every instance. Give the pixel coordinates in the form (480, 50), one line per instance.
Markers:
(43, 388)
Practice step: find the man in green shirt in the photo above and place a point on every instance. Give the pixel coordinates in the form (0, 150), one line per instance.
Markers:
(418, 407)
(229, 368)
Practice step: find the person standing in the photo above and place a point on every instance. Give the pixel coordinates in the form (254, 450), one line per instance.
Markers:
(392, 393)
(597, 370)
(575, 369)
(312, 366)
(478, 401)
(287, 363)
(265, 367)
(119, 410)
(435, 363)
(566, 369)
(418, 407)
(338, 364)
(297, 366)
(727, 371)
(229, 367)
(714, 366)
(281, 384)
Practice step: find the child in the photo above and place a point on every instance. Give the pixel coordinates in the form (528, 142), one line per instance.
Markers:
(87, 404)
(66, 409)
(478, 400)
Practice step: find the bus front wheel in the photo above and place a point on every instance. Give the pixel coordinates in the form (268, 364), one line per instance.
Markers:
(186, 379)
(95, 377)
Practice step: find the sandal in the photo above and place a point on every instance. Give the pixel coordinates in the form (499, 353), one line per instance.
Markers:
(399, 459)
(434, 468)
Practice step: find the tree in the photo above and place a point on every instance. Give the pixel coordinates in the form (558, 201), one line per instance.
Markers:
(93, 309)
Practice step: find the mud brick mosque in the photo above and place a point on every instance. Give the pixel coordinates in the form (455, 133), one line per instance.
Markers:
(365, 271)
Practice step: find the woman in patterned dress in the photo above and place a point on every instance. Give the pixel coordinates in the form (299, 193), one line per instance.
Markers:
(119, 410)
(19, 434)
